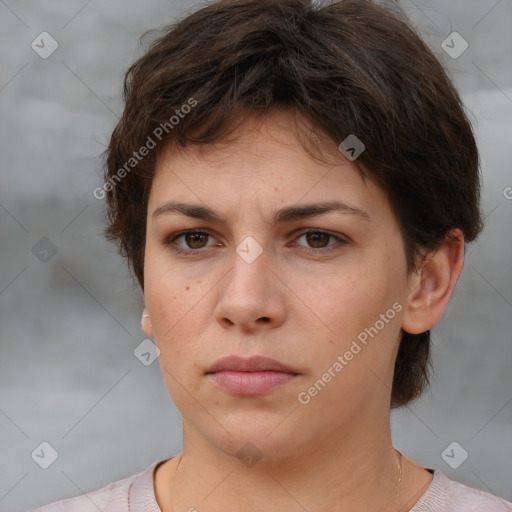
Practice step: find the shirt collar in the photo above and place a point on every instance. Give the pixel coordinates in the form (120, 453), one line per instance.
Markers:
(142, 490)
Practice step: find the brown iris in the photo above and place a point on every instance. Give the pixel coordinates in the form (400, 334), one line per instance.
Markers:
(195, 238)
(317, 237)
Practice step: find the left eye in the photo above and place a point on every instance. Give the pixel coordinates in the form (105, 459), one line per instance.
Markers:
(318, 240)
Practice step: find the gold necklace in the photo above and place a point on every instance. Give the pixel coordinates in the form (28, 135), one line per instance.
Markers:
(398, 487)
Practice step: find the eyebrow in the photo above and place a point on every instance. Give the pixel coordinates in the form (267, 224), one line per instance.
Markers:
(287, 214)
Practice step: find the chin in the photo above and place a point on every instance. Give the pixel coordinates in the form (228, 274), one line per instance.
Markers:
(257, 441)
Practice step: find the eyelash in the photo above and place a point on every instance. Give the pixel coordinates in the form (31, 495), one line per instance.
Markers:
(330, 248)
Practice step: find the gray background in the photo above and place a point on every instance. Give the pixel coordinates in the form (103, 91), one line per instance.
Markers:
(68, 375)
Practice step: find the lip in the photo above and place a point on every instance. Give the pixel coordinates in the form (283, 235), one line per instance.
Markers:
(250, 376)
(252, 364)
(250, 383)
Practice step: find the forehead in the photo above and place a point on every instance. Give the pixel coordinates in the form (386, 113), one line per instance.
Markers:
(267, 161)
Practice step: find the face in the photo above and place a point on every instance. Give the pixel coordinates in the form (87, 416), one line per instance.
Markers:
(319, 290)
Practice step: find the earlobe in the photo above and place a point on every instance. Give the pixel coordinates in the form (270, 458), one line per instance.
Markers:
(431, 289)
(147, 327)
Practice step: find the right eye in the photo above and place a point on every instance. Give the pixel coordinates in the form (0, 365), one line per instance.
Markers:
(194, 241)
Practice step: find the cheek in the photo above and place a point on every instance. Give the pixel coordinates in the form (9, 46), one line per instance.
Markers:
(348, 299)
(350, 361)
(348, 306)
(178, 308)
(168, 294)
(176, 331)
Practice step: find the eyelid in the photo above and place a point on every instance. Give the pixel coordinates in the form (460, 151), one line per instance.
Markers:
(341, 241)
(340, 236)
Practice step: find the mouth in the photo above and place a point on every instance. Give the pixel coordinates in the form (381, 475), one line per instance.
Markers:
(253, 376)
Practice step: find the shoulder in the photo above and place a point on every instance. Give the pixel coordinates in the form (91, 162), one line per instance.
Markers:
(446, 495)
(114, 497)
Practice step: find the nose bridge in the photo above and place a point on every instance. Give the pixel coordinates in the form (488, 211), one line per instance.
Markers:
(250, 268)
(249, 294)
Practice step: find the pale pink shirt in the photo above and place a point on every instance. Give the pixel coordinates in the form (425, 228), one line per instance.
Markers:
(136, 493)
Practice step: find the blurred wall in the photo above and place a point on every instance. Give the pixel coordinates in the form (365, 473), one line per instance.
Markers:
(70, 316)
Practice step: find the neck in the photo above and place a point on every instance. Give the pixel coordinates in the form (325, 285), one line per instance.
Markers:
(357, 472)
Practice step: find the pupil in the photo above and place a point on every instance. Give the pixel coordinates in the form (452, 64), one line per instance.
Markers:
(195, 238)
(315, 238)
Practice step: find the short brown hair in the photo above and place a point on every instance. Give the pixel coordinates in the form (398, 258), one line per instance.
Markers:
(349, 67)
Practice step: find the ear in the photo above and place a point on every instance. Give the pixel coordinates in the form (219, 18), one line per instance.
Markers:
(147, 327)
(431, 288)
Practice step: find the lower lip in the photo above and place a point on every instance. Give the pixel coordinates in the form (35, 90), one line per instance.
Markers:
(251, 383)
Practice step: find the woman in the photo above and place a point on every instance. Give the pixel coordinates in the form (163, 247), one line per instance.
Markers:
(292, 187)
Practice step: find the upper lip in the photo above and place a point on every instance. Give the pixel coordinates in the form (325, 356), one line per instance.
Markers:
(251, 364)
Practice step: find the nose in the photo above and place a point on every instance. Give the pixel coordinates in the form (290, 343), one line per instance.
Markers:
(251, 297)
